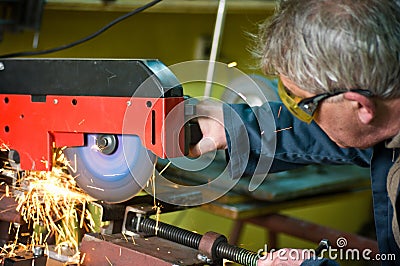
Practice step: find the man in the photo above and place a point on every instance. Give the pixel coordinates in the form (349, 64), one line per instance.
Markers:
(338, 63)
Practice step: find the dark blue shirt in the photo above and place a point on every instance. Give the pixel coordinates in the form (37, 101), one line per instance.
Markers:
(277, 141)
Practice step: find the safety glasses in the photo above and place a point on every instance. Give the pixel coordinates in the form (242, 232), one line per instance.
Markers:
(305, 108)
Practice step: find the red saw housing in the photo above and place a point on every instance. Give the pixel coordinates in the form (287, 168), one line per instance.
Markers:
(50, 103)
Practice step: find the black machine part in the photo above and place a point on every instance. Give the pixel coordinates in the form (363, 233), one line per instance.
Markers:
(88, 77)
(213, 245)
(27, 258)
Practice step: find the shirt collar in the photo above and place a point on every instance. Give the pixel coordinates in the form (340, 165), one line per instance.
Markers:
(394, 142)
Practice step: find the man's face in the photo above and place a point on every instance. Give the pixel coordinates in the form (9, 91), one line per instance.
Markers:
(339, 120)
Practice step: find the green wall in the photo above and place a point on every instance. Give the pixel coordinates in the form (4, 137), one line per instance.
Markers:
(169, 37)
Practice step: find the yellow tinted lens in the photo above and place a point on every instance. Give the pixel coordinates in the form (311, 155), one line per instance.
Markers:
(291, 104)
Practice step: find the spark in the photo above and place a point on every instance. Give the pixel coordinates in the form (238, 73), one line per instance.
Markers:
(3, 146)
(15, 241)
(89, 186)
(279, 111)
(108, 260)
(126, 239)
(82, 258)
(232, 64)
(279, 130)
(153, 181)
(158, 212)
(73, 169)
(165, 168)
(82, 216)
(51, 203)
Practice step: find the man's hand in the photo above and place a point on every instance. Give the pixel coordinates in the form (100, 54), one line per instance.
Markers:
(284, 257)
(211, 122)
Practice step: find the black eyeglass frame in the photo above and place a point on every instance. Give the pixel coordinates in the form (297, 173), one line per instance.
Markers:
(305, 109)
(310, 105)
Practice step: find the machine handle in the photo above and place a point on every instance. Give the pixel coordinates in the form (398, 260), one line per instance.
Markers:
(192, 128)
(192, 134)
(195, 132)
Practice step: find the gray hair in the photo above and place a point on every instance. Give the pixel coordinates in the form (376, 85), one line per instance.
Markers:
(323, 45)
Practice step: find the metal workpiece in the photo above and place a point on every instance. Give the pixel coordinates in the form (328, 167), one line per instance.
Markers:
(26, 258)
(214, 245)
(118, 249)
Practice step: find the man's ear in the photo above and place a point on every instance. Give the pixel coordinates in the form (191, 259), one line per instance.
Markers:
(365, 106)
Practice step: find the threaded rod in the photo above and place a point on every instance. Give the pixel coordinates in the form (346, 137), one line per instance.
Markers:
(191, 239)
(170, 232)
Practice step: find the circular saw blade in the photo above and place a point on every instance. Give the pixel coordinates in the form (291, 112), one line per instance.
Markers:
(111, 177)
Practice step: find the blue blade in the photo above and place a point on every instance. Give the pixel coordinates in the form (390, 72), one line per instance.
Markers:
(112, 177)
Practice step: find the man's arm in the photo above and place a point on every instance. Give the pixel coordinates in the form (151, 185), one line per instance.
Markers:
(268, 139)
(296, 143)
